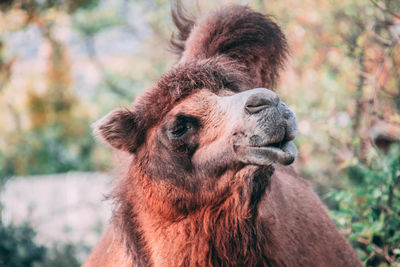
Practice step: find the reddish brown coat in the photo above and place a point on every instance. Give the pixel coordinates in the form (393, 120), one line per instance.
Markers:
(189, 201)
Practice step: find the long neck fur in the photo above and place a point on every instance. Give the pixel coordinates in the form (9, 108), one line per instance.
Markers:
(226, 233)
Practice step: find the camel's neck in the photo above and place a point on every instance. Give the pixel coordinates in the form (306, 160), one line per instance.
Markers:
(224, 232)
(213, 236)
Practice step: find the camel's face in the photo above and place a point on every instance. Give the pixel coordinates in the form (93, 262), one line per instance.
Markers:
(205, 143)
(193, 137)
(207, 134)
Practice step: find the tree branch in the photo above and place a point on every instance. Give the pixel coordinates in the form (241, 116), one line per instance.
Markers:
(384, 9)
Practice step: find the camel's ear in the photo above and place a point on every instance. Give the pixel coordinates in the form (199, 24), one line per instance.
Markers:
(119, 129)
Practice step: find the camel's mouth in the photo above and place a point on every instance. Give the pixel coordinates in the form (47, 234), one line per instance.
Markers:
(266, 135)
(283, 152)
(278, 145)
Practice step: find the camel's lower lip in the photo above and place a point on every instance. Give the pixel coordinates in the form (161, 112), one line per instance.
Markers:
(282, 153)
(278, 145)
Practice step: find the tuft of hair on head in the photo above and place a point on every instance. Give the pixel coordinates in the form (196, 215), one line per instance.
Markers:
(184, 22)
(253, 40)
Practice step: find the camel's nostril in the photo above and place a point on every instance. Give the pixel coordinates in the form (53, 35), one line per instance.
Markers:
(260, 101)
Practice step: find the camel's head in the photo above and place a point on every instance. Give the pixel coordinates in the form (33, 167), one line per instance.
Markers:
(205, 123)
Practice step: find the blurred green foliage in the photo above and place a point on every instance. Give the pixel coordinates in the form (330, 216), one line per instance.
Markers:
(369, 209)
(58, 139)
(18, 248)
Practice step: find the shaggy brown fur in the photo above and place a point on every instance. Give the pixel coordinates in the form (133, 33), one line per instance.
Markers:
(201, 187)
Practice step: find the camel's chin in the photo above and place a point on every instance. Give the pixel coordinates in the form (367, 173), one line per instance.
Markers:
(267, 155)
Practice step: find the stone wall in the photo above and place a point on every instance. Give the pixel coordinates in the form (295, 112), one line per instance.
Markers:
(68, 207)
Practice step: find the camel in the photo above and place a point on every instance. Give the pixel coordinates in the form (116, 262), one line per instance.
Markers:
(207, 179)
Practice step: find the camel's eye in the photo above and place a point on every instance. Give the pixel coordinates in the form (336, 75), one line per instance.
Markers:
(181, 126)
(180, 130)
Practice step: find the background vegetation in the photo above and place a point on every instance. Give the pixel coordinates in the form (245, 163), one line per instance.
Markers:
(343, 82)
